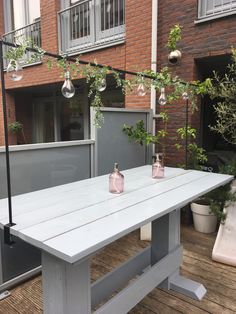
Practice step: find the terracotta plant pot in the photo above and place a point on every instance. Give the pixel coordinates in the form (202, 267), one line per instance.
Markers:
(204, 220)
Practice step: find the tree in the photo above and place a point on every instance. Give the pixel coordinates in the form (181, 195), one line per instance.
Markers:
(223, 90)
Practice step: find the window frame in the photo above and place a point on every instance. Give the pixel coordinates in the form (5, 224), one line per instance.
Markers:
(97, 39)
(216, 12)
(8, 15)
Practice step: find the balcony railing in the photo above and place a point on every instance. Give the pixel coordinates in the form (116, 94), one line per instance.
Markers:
(30, 33)
(210, 9)
(91, 24)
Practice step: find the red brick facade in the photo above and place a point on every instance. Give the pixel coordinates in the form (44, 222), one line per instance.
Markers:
(135, 54)
(199, 40)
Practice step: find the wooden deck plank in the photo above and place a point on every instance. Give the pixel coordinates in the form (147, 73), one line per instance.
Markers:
(219, 279)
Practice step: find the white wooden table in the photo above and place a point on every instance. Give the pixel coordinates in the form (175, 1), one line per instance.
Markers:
(71, 222)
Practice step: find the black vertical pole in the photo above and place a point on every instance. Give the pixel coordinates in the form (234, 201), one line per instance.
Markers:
(6, 230)
(186, 134)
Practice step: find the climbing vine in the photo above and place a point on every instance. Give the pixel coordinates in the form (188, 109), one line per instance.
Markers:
(95, 76)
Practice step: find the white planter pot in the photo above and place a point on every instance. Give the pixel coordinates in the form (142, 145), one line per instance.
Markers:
(204, 220)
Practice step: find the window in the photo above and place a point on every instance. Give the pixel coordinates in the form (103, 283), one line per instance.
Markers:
(80, 21)
(215, 8)
(19, 13)
(57, 119)
(112, 14)
(91, 23)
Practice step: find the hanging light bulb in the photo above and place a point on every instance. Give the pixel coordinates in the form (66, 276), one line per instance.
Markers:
(141, 90)
(67, 89)
(14, 70)
(162, 99)
(185, 96)
(102, 85)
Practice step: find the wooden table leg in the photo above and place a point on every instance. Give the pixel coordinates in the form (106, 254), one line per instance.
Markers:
(165, 238)
(66, 287)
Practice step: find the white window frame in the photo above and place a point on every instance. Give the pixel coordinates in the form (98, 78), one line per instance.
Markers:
(97, 37)
(101, 35)
(8, 15)
(227, 7)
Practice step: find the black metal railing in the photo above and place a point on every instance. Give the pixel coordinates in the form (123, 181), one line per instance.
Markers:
(30, 34)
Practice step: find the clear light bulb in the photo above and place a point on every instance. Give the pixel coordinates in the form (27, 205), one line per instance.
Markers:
(102, 85)
(14, 70)
(141, 90)
(162, 99)
(185, 96)
(68, 89)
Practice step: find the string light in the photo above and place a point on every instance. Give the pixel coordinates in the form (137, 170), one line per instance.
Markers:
(162, 99)
(67, 89)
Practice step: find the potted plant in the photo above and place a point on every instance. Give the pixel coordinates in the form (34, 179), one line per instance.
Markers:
(16, 128)
(174, 55)
(223, 91)
(195, 159)
(211, 207)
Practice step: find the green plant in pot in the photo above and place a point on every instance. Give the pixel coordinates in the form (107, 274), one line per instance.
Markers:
(174, 37)
(196, 155)
(16, 128)
(223, 91)
(195, 160)
(211, 207)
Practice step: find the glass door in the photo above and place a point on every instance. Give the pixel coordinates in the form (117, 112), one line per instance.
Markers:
(43, 121)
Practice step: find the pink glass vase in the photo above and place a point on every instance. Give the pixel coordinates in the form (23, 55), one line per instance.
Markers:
(158, 167)
(116, 181)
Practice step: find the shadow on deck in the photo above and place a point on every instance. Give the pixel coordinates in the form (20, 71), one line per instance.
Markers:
(219, 279)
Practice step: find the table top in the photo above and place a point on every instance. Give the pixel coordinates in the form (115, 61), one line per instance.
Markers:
(74, 220)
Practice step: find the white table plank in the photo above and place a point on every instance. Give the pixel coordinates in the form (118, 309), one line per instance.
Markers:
(74, 220)
(88, 192)
(53, 227)
(79, 243)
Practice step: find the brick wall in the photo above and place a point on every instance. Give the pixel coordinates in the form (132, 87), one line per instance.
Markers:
(199, 40)
(138, 44)
(123, 56)
(210, 38)
(134, 55)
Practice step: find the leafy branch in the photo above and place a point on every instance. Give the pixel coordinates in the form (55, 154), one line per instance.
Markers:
(139, 134)
(175, 36)
(196, 154)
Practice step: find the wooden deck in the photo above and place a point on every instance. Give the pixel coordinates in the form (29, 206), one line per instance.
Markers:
(219, 279)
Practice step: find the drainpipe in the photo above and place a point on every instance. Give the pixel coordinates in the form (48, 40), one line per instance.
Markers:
(154, 62)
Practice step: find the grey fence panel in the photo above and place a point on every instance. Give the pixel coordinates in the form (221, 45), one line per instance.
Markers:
(35, 169)
(17, 259)
(112, 145)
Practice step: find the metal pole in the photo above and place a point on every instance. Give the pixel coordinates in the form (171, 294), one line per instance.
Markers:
(8, 172)
(186, 134)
